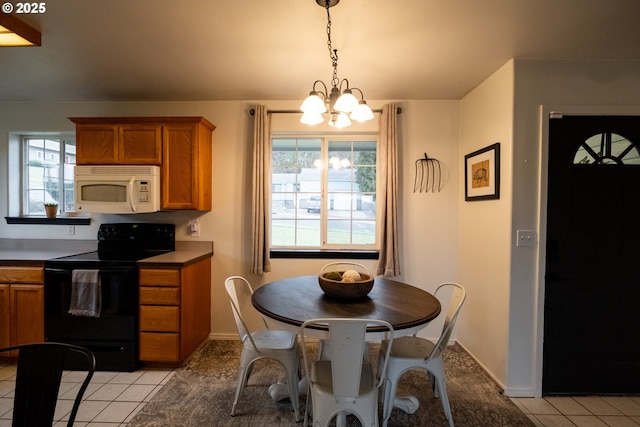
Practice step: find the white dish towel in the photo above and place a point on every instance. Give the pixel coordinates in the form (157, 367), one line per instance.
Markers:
(86, 293)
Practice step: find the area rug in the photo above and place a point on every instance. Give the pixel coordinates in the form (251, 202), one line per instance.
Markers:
(201, 394)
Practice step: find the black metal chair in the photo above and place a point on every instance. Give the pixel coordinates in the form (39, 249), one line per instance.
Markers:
(38, 377)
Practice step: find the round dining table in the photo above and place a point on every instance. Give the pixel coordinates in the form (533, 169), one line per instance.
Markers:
(292, 301)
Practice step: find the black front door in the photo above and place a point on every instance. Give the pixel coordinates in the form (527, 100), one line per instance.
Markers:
(592, 282)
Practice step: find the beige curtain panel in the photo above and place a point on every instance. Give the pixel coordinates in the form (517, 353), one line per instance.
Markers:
(260, 206)
(389, 261)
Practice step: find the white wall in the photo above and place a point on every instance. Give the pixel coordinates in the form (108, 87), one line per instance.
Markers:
(427, 221)
(484, 226)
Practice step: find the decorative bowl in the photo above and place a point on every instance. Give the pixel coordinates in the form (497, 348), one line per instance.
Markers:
(345, 290)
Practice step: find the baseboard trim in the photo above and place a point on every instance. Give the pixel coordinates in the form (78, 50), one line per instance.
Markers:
(224, 337)
(507, 391)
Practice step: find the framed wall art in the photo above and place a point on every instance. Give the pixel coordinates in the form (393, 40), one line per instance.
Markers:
(482, 174)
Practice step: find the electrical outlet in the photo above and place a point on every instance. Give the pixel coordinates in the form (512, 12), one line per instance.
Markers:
(525, 238)
(194, 228)
(71, 230)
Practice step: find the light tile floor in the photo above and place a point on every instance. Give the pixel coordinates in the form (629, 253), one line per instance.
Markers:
(582, 411)
(114, 398)
(111, 400)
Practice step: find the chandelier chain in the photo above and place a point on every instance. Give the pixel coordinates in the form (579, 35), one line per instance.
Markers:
(333, 53)
(340, 103)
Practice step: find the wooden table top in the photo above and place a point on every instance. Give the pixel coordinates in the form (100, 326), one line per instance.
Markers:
(295, 300)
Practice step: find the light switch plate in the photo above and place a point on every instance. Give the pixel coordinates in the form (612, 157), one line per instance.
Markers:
(525, 238)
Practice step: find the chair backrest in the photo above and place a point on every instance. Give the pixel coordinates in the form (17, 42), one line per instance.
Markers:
(38, 378)
(347, 346)
(458, 295)
(240, 292)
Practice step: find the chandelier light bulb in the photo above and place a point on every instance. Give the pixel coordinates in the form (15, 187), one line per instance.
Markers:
(313, 104)
(311, 118)
(362, 113)
(339, 120)
(347, 102)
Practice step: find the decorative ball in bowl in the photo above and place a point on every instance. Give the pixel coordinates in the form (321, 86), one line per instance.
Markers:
(346, 285)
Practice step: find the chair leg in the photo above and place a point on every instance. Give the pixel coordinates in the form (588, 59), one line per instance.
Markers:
(248, 374)
(390, 388)
(307, 408)
(444, 398)
(294, 393)
(316, 416)
(370, 417)
(243, 377)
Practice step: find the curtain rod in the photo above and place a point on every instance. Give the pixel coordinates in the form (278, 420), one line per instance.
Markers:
(253, 111)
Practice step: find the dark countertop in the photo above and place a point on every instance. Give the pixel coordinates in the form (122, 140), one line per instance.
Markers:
(34, 252)
(30, 252)
(186, 253)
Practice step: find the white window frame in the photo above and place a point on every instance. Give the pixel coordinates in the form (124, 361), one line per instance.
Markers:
(60, 160)
(324, 217)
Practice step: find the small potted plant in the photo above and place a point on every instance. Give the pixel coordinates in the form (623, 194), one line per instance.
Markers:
(51, 209)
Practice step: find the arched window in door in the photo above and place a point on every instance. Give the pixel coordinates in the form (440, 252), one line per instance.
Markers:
(607, 149)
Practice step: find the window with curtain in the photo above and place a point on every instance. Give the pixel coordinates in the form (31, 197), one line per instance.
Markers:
(47, 173)
(323, 192)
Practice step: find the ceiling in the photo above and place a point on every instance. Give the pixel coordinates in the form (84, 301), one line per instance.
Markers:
(260, 50)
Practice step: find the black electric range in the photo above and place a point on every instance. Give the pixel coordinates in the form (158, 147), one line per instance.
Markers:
(113, 334)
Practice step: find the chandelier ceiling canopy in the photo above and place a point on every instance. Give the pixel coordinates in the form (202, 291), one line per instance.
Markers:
(340, 102)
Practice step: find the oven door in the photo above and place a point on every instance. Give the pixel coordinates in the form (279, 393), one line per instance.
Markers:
(113, 335)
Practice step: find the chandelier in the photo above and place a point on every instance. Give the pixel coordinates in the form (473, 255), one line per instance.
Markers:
(340, 102)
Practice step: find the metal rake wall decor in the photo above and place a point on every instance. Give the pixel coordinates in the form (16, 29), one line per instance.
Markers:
(428, 175)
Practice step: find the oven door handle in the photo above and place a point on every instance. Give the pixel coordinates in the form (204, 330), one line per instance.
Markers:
(131, 202)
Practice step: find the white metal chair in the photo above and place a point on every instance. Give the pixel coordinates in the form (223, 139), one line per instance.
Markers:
(414, 352)
(279, 345)
(345, 384)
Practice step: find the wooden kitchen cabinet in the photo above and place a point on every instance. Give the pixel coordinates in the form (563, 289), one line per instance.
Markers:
(21, 305)
(106, 141)
(186, 166)
(180, 145)
(175, 311)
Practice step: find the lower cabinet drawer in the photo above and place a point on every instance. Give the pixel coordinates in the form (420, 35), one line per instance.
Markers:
(159, 347)
(21, 274)
(159, 295)
(159, 277)
(159, 318)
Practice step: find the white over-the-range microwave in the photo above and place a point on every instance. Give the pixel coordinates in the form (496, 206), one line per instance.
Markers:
(117, 189)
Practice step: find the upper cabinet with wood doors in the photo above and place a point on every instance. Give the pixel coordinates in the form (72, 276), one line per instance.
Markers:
(186, 165)
(181, 146)
(105, 141)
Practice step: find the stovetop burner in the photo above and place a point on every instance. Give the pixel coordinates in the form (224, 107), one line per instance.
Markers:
(124, 244)
(121, 256)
